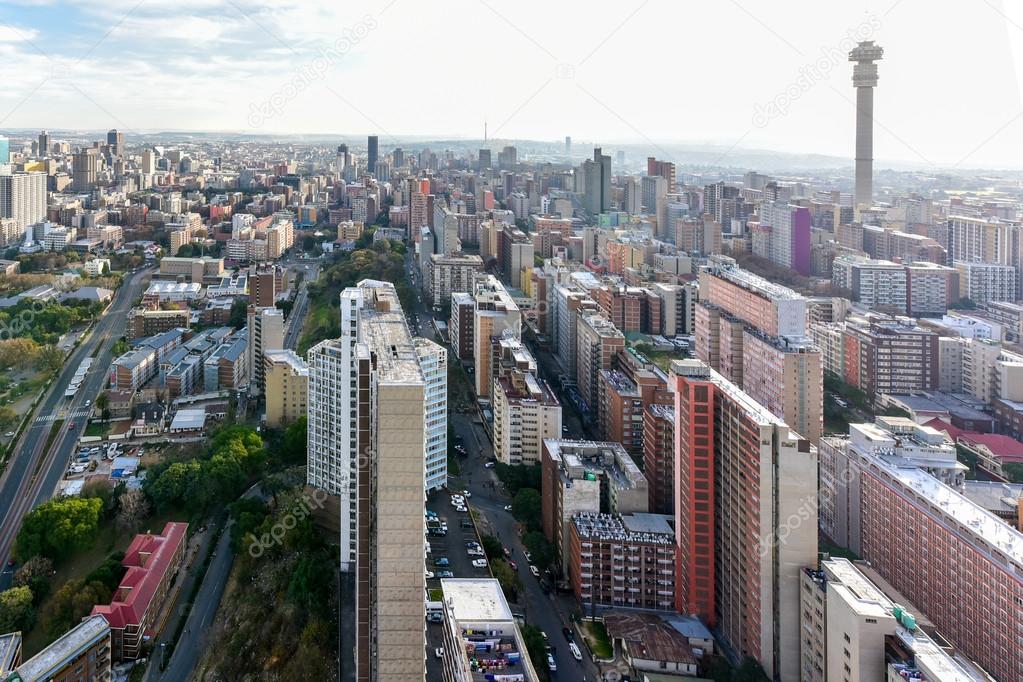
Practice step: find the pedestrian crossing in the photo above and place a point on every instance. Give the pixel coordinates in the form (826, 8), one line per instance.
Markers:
(74, 414)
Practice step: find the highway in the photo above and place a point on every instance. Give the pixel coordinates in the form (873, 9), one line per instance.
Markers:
(32, 475)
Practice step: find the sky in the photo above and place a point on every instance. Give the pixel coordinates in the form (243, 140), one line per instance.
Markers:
(736, 73)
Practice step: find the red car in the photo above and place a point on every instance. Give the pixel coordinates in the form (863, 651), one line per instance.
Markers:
(514, 565)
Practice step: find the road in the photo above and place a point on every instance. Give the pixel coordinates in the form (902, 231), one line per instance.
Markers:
(298, 312)
(32, 474)
(194, 639)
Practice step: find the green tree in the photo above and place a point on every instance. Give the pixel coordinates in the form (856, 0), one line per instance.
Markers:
(527, 508)
(51, 358)
(1013, 471)
(103, 405)
(8, 417)
(292, 447)
(508, 579)
(16, 609)
(59, 528)
(541, 551)
(35, 574)
(72, 602)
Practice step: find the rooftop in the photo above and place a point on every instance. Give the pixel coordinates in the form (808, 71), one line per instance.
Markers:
(476, 599)
(287, 357)
(148, 559)
(73, 643)
(385, 332)
(633, 528)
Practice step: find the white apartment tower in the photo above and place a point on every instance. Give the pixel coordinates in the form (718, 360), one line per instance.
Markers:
(23, 198)
(370, 413)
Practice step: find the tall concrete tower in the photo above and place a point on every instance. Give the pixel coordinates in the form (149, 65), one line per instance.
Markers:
(865, 80)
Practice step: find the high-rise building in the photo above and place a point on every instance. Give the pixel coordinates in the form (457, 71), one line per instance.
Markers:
(23, 199)
(754, 333)
(879, 639)
(369, 416)
(955, 561)
(865, 80)
(5, 151)
(265, 332)
(286, 377)
(597, 178)
(115, 142)
(526, 412)
(741, 477)
(85, 169)
(372, 151)
(598, 341)
(787, 235)
(568, 145)
(485, 160)
(496, 314)
(44, 145)
(665, 169)
(82, 653)
(433, 360)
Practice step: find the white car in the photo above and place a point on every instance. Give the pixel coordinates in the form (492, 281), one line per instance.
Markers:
(551, 665)
(534, 570)
(488, 465)
(429, 575)
(461, 510)
(507, 507)
(467, 494)
(574, 648)
(479, 563)
(439, 652)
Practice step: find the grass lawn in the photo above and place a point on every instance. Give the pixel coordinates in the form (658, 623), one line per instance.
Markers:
(436, 594)
(101, 429)
(596, 638)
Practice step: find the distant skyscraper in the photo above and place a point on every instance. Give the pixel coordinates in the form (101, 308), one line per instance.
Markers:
(23, 198)
(85, 169)
(5, 150)
(44, 144)
(398, 157)
(115, 141)
(485, 161)
(865, 80)
(372, 147)
(344, 159)
(597, 174)
(568, 145)
(148, 162)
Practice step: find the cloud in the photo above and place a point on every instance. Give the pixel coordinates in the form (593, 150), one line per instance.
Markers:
(13, 34)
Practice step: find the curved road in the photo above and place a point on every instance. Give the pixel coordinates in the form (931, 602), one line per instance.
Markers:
(32, 475)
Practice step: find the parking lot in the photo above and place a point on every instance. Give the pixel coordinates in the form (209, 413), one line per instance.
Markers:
(453, 547)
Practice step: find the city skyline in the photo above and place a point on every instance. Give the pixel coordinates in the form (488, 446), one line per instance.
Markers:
(95, 61)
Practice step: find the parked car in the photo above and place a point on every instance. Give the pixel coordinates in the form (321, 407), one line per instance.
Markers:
(507, 552)
(435, 618)
(551, 665)
(574, 648)
(439, 652)
(479, 563)
(445, 574)
(429, 574)
(467, 494)
(534, 570)
(569, 635)
(528, 556)
(461, 510)
(514, 565)
(507, 507)
(441, 561)
(488, 465)
(465, 523)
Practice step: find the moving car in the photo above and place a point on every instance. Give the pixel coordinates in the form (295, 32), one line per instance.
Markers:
(569, 635)
(439, 652)
(488, 465)
(574, 648)
(507, 507)
(551, 665)
(534, 570)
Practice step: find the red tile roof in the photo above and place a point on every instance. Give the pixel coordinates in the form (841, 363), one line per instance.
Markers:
(1004, 447)
(149, 558)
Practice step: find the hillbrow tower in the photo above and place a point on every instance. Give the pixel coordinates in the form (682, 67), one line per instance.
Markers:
(865, 80)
